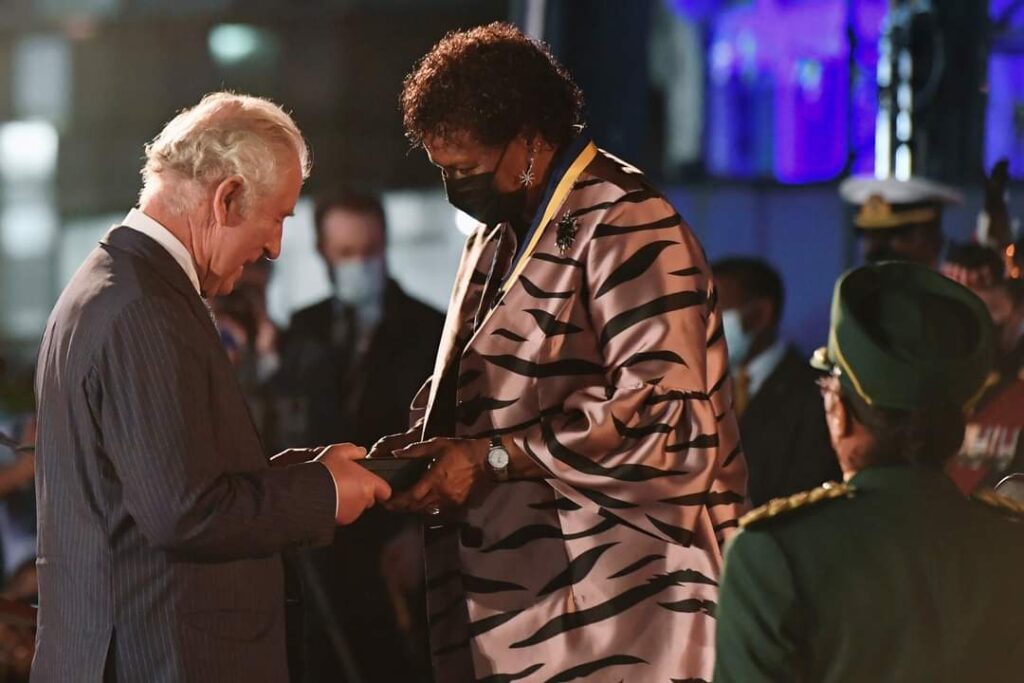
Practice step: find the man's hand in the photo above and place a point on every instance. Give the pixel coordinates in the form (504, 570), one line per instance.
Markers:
(356, 487)
(459, 467)
(386, 446)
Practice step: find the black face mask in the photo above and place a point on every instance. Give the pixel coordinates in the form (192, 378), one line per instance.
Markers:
(475, 195)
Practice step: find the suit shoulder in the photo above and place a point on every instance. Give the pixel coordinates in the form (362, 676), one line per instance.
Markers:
(421, 312)
(795, 378)
(312, 310)
(105, 290)
(1008, 507)
(796, 365)
(310, 314)
(805, 500)
(612, 199)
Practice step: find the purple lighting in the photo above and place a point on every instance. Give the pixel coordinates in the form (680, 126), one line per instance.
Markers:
(780, 101)
(1004, 118)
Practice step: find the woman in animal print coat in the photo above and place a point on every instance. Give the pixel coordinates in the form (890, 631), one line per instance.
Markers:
(588, 466)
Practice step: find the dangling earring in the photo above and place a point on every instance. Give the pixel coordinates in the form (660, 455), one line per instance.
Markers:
(526, 177)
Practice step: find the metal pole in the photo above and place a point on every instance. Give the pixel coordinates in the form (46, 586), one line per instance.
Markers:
(533, 22)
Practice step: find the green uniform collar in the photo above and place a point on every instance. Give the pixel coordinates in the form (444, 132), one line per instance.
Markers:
(898, 476)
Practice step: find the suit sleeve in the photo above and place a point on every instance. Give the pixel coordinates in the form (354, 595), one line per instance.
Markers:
(655, 444)
(157, 408)
(757, 618)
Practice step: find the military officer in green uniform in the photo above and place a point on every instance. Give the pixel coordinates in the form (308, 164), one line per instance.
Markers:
(892, 575)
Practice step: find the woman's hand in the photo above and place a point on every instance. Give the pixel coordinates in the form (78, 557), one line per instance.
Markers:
(458, 470)
(386, 446)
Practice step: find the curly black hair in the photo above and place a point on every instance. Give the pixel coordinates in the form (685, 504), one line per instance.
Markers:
(491, 82)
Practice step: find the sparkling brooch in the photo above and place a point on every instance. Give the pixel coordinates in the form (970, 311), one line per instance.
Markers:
(565, 234)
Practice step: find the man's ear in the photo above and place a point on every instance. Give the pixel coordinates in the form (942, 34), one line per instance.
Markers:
(227, 200)
(838, 414)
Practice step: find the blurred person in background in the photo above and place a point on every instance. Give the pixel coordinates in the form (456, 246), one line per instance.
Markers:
(350, 366)
(17, 519)
(899, 219)
(893, 574)
(782, 423)
(990, 266)
(993, 443)
(250, 339)
(349, 362)
(587, 468)
(160, 521)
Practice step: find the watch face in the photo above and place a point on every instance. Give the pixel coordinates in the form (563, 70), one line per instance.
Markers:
(497, 458)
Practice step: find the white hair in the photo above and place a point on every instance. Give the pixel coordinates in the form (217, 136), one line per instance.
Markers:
(224, 135)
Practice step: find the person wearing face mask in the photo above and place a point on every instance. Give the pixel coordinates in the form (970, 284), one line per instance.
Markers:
(351, 363)
(782, 425)
(350, 366)
(891, 574)
(586, 463)
(899, 220)
(161, 523)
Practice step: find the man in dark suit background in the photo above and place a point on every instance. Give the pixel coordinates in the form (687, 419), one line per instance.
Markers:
(160, 522)
(350, 366)
(782, 423)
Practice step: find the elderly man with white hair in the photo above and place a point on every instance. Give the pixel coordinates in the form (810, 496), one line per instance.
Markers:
(160, 522)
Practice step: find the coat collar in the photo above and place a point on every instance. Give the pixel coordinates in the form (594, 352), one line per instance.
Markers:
(903, 477)
(131, 241)
(126, 240)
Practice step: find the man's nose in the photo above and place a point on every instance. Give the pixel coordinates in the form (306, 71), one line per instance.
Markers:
(273, 248)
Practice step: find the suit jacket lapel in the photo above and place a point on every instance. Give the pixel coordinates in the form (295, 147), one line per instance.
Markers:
(142, 246)
(775, 385)
(474, 260)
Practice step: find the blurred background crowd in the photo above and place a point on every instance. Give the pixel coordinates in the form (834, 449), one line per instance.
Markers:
(750, 113)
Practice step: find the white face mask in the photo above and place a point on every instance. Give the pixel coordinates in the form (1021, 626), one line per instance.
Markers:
(738, 340)
(360, 282)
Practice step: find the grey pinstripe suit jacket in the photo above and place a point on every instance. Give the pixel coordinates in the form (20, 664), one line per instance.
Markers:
(160, 522)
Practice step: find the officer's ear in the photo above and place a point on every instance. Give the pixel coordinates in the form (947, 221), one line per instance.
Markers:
(838, 415)
(843, 416)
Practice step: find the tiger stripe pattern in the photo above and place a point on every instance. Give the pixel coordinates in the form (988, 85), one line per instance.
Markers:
(606, 363)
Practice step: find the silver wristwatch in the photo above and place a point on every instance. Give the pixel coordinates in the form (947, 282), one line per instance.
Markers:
(497, 460)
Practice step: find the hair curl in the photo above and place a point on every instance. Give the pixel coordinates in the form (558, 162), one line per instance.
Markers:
(491, 82)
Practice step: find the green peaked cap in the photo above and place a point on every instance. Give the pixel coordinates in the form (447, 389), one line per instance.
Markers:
(902, 336)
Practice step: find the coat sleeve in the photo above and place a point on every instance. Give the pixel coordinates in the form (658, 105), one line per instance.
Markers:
(654, 445)
(757, 618)
(157, 410)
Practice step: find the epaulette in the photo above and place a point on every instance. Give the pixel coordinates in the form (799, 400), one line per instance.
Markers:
(1008, 506)
(777, 506)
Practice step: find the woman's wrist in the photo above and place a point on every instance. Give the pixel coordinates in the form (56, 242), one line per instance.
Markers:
(521, 465)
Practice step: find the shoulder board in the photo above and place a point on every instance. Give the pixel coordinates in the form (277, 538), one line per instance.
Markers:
(779, 506)
(1008, 506)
